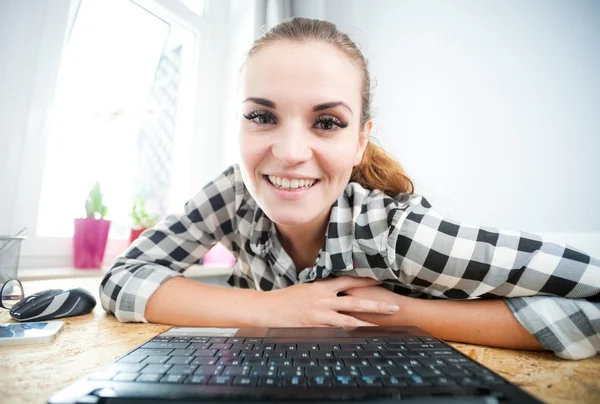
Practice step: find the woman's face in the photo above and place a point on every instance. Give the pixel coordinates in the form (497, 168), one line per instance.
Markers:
(299, 129)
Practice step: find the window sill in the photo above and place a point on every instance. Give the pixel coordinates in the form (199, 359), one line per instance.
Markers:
(194, 271)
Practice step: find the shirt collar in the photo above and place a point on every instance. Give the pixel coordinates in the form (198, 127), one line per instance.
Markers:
(335, 255)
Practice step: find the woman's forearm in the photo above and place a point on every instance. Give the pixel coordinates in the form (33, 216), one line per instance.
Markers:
(185, 302)
(483, 322)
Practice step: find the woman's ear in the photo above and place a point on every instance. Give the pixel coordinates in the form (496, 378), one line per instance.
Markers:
(363, 142)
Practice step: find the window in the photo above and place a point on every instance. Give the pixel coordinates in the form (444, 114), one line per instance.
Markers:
(122, 115)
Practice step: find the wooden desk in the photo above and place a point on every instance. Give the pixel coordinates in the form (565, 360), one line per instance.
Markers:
(31, 373)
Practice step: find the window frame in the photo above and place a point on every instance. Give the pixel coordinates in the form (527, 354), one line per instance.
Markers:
(52, 252)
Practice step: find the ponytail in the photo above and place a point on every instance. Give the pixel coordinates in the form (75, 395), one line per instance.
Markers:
(379, 170)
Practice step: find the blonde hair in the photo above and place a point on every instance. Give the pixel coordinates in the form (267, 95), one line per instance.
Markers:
(378, 169)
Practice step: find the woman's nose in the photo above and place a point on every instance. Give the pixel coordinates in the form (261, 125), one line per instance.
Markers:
(292, 146)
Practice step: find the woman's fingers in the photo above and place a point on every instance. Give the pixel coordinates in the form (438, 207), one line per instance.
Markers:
(349, 282)
(357, 305)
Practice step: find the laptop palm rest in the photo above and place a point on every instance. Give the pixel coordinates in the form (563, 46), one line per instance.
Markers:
(309, 332)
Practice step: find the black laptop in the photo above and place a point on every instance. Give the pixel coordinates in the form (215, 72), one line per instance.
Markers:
(317, 365)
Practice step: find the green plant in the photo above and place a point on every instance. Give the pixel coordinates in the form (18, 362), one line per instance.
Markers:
(140, 215)
(93, 205)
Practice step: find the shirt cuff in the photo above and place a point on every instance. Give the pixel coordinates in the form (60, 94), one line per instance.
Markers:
(559, 324)
(137, 289)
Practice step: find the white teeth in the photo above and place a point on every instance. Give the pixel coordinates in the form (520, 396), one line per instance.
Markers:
(282, 182)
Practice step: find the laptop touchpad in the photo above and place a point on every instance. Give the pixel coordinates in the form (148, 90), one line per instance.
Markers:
(319, 332)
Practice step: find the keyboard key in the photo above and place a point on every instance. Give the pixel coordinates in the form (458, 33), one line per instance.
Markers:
(280, 362)
(426, 371)
(183, 352)
(305, 362)
(401, 372)
(314, 371)
(236, 371)
(330, 362)
(346, 354)
(408, 362)
(173, 379)
(381, 362)
(372, 381)
(297, 381)
(132, 359)
(469, 381)
(263, 371)
(442, 353)
(441, 381)
(393, 382)
(417, 381)
(245, 381)
(490, 379)
(346, 371)
(197, 379)
(182, 370)
(369, 354)
(220, 380)
(217, 340)
(372, 371)
(148, 378)
(180, 360)
(268, 382)
(345, 381)
(204, 360)
(156, 359)
(256, 362)
(274, 354)
(320, 381)
(214, 370)
(289, 371)
(165, 345)
(415, 354)
(454, 371)
(432, 362)
(226, 360)
(205, 352)
(153, 352)
(159, 369)
(356, 362)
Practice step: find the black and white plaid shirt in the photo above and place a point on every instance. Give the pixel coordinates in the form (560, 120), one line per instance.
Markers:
(402, 241)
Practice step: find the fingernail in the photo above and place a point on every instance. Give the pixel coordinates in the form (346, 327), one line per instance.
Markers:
(393, 307)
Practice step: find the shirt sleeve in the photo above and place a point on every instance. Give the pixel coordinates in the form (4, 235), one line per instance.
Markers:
(569, 327)
(447, 259)
(169, 248)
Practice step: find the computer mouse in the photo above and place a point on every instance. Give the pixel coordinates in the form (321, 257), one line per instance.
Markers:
(53, 304)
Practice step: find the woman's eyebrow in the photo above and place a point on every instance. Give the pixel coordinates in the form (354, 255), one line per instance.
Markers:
(320, 107)
(261, 101)
(332, 104)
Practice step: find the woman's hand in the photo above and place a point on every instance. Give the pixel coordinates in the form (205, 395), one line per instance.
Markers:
(318, 304)
(381, 294)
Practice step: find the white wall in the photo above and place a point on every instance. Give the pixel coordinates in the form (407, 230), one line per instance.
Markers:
(493, 107)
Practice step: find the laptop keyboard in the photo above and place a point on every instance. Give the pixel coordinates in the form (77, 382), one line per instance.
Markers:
(360, 362)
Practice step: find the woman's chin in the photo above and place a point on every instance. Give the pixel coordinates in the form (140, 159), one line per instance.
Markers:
(290, 217)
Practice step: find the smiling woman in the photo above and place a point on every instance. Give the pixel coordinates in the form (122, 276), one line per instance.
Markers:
(326, 229)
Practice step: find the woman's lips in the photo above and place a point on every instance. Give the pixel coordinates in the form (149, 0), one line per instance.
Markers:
(290, 194)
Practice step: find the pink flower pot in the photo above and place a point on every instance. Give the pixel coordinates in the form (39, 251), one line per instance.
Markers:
(89, 242)
(135, 233)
